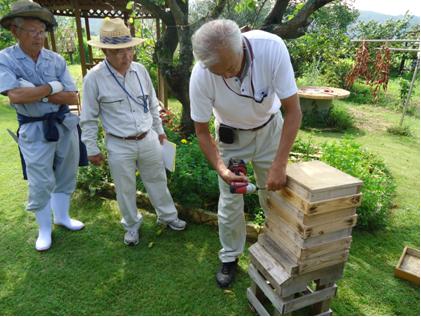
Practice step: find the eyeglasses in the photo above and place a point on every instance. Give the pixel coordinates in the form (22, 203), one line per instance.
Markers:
(33, 33)
(122, 51)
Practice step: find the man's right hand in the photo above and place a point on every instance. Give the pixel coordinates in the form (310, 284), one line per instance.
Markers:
(97, 159)
(229, 177)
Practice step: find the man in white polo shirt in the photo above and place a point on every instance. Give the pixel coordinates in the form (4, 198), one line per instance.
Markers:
(242, 79)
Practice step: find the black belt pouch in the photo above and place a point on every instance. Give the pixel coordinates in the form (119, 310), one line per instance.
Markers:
(226, 134)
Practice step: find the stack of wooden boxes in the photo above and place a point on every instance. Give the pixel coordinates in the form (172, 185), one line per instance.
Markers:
(305, 242)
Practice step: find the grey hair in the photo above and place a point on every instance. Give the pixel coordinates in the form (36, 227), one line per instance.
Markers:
(213, 35)
(18, 21)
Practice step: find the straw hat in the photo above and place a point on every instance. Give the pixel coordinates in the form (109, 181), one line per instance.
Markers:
(28, 9)
(114, 34)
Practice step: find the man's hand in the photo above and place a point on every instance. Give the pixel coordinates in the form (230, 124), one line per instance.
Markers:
(56, 87)
(162, 137)
(277, 178)
(230, 177)
(26, 84)
(97, 159)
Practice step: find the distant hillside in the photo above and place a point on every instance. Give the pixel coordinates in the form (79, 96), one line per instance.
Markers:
(366, 16)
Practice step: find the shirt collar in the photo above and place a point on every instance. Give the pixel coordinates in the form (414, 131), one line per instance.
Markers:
(115, 72)
(20, 54)
(248, 56)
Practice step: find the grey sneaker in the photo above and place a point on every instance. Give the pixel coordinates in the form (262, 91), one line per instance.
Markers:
(131, 238)
(176, 224)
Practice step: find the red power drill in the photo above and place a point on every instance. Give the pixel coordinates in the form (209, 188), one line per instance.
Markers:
(238, 166)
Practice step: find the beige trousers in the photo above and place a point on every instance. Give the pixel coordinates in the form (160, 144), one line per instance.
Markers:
(258, 147)
(124, 157)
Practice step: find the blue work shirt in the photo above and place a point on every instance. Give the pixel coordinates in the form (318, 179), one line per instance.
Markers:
(50, 66)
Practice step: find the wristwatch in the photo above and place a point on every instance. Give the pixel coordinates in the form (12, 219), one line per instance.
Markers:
(45, 99)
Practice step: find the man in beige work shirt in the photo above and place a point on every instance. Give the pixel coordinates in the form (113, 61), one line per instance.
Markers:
(120, 92)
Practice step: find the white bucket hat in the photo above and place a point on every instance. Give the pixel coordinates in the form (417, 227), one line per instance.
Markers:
(114, 34)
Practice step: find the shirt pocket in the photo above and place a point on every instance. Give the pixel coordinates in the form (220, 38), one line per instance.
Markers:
(49, 75)
(111, 101)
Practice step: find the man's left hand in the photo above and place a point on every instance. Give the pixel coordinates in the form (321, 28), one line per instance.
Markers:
(162, 137)
(277, 178)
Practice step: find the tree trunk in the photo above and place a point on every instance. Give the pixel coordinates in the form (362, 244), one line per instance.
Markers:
(178, 32)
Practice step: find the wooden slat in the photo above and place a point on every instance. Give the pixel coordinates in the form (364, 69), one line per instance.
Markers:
(310, 299)
(276, 301)
(277, 213)
(322, 249)
(299, 283)
(281, 255)
(324, 261)
(284, 236)
(298, 232)
(282, 208)
(334, 204)
(268, 266)
(260, 309)
(319, 207)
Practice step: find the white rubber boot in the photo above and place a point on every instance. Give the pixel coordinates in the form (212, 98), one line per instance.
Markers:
(43, 217)
(60, 204)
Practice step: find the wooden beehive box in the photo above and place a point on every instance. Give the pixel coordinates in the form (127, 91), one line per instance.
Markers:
(408, 266)
(309, 223)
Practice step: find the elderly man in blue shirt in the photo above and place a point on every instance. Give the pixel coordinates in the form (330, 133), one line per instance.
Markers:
(40, 87)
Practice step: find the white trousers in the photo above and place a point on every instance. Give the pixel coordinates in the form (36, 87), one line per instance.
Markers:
(124, 157)
(258, 147)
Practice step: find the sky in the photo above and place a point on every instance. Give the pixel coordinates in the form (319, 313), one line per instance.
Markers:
(390, 7)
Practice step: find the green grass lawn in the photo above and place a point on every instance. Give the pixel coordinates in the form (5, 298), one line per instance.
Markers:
(92, 273)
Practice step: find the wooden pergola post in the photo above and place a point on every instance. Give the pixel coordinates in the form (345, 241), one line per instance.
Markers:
(162, 88)
(80, 41)
(88, 36)
(53, 41)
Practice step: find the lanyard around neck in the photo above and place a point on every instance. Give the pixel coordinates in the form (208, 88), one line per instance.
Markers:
(251, 76)
(144, 102)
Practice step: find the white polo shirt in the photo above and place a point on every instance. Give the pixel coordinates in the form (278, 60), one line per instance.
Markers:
(270, 74)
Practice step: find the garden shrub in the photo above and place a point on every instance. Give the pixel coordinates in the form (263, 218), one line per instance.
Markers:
(92, 178)
(337, 118)
(378, 188)
(360, 93)
(194, 183)
(400, 130)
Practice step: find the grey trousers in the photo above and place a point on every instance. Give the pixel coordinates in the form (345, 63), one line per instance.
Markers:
(258, 147)
(50, 166)
(127, 156)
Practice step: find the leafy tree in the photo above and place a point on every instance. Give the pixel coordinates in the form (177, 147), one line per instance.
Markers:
(173, 53)
(6, 38)
(390, 29)
(320, 54)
